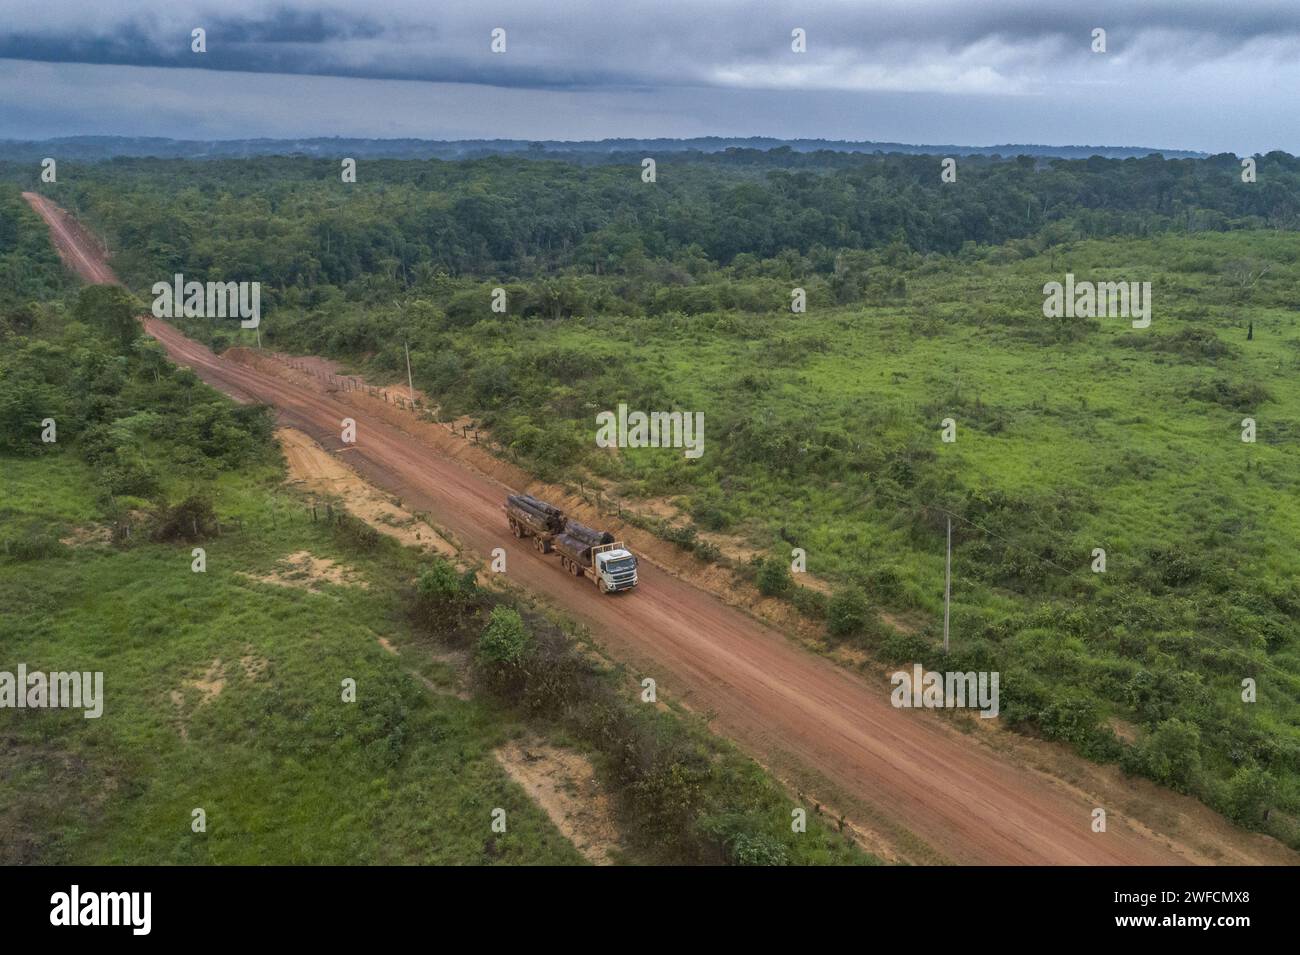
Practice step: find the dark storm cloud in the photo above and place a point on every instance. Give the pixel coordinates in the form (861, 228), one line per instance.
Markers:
(579, 43)
(284, 41)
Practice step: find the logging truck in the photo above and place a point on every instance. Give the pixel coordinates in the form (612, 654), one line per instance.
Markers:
(584, 551)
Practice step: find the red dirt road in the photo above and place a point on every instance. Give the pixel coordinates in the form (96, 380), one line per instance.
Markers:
(78, 251)
(934, 794)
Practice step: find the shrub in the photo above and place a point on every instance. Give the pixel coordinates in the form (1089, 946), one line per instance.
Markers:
(193, 519)
(442, 596)
(559, 678)
(504, 646)
(774, 577)
(708, 551)
(708, 513)
(130, 478)
(1069, 720)
(847, 612)
(1172, 755)
(684, 536)
(899, 647)
(743, 839)
(1233, 395)
(755, 848)
(808, 601)
(1250, 792)
(669, 778)
(886, 583)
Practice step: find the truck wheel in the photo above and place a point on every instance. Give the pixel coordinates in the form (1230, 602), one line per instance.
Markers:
(515, 529)
(539, 545)
(575, 569)
(601, 584)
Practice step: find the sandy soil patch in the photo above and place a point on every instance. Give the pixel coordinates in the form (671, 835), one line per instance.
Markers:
(91, 535)
(254, 666)
(198, 692)
(306, 571)
(87, 535)
(563, 783)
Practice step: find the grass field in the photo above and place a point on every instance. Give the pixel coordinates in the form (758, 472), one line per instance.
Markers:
(284, 770)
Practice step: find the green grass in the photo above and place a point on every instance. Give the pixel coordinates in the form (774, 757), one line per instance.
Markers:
(285, 771)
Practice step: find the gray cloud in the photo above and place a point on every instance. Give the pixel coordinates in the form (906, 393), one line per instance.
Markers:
(1016, 43)
(1187, 74)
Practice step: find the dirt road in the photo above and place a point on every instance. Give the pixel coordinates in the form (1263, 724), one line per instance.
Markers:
(77, 248)
(921, 786)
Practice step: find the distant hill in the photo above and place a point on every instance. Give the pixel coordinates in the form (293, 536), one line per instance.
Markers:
(93, 148)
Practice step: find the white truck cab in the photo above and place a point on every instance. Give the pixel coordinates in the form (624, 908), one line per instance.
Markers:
(615, 567)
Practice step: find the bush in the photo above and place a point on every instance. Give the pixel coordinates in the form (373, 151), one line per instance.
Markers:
(774, 578)
(669, 775)
(899, 647)
(886, 583)
(744, 841)
(755, 848)
(442, 596)
(684, 536)
(847, 612)
(708, 551)
(503, 648)
(808, 601)
(193, 519)
(708, 513)
(1172, 755)
(1250, 793)
(559, 679)
(128, 476)
(1069, 720)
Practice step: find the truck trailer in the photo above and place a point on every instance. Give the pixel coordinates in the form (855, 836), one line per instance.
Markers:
(532, 517)
(584, 551)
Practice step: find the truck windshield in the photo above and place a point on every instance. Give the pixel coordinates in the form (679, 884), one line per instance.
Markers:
(619, 566)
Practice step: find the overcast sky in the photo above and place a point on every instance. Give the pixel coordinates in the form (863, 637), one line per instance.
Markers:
(1185, 74)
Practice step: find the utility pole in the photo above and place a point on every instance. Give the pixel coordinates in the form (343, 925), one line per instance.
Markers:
(947, 587)
(409, 384)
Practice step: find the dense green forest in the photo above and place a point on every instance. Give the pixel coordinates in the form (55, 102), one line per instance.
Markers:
(292, 223)
(823, 428)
